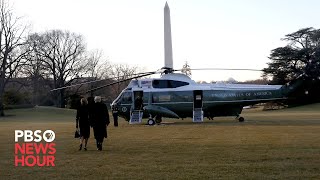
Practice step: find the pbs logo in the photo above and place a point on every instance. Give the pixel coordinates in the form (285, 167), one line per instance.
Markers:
(36, 136)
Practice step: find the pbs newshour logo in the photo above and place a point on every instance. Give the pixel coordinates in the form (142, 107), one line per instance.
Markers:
(36, 149)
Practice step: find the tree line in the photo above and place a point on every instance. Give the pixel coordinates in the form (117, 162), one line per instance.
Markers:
(33, 63)
(300, 58)
(40, 61)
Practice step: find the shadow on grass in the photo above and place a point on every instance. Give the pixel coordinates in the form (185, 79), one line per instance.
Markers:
(282, 122)
(7, 115)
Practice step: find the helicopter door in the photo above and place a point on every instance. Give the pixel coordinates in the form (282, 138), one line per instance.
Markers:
(197, 106)
(137, 113)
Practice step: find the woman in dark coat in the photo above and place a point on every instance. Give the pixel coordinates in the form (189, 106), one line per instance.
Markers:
(99, 121)
(82, 122)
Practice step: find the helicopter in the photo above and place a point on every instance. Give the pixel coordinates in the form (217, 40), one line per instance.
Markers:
(176, 95)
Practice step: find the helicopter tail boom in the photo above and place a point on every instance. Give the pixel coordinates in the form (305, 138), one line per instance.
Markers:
(292, 86)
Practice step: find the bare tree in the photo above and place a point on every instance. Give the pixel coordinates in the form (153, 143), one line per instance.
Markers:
(61, 53)
(11, 40)
(34, 69)
(96, 70)
(121, 72)
(97, 67)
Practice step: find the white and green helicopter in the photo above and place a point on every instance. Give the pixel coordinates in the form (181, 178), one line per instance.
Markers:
(175, 95)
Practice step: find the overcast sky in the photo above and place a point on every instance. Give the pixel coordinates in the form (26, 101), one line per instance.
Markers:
(206, 33)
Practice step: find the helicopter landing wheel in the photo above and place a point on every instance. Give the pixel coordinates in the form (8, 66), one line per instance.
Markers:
(151, 122)
(241, 119)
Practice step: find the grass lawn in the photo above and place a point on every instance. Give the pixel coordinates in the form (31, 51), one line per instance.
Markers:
(282, 144)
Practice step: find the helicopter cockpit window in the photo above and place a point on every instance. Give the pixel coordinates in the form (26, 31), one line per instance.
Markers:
(168, 84)
(126, 97)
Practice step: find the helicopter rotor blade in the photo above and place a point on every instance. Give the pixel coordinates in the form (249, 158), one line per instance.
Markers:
(110, 84)
(222, 69)
(94, 81)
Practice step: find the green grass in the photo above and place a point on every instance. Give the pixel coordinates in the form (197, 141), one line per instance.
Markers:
(281, 144)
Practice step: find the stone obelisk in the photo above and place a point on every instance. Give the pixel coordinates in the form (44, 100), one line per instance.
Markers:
(168, 61)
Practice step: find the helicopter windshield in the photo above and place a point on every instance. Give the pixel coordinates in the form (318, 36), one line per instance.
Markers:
(125, 97)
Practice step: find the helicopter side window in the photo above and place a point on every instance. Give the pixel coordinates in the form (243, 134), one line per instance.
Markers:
(175, 84)
(168, 84)
(160, 84)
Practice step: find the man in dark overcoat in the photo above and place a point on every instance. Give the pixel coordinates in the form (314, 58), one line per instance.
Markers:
(99, 121)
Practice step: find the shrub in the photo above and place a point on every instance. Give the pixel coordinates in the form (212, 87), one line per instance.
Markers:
(16, 98)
